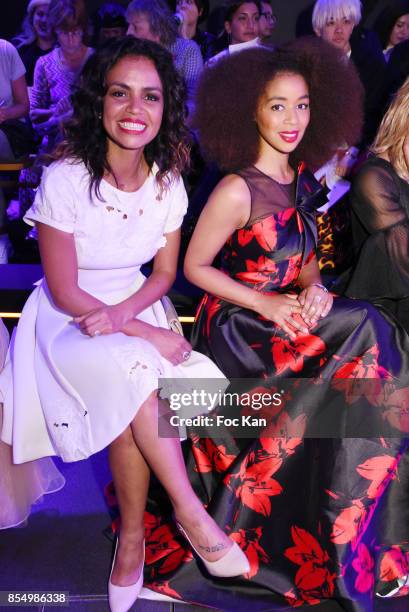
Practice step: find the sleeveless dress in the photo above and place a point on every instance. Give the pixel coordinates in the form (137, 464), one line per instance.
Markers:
(311, 514)
(65, 393)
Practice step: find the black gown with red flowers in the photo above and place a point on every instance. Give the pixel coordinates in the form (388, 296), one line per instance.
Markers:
(313, 515)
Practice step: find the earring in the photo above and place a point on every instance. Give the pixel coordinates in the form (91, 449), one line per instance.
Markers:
(99, 115)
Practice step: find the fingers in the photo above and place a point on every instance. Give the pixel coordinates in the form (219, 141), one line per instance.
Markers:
(312, 307)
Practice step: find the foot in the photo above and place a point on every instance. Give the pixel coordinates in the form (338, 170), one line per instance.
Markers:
(129, 560)
(205, 535)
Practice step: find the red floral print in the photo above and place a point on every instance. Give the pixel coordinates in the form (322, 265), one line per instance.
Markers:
(290, 354)
(364, 564)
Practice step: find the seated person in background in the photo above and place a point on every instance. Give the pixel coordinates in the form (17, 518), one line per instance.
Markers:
(13, 106)
(397, 69)
(35, 39)
(242, 26)
(267, 22)
(153, 20)
(110, 22)
(392, 25)
(55, 73)
(380, 201)
(336, 21)
(191, 13)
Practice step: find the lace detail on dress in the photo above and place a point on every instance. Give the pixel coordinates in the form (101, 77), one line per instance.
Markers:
(70, 430)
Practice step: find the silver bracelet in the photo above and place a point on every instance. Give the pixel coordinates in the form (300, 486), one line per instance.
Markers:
(320, 286)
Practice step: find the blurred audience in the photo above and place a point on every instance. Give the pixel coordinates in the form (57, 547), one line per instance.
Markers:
(35, 38)
(337, 21)
(14, 133)
(380, 201)
(55, 73)
(153, 20)
(242, 26)
(267, 22)
(110, 22)
(191, 13)
(392, 25)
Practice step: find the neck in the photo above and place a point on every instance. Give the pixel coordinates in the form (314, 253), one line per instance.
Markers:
(73, 53)
(190, 30)
(44, 43)
(275, 164)
(128, 167)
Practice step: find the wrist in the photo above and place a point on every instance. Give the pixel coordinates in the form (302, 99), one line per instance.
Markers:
(319, 285)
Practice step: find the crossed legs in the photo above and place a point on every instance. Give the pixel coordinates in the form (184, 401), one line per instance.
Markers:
(130, 455)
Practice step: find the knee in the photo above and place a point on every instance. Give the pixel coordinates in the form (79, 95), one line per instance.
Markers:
(124, 440)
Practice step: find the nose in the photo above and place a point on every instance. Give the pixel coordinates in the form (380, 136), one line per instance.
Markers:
(290, 116)
(135, 104)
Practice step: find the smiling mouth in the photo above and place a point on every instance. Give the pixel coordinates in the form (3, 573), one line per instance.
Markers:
(289, 136)
(133, 126)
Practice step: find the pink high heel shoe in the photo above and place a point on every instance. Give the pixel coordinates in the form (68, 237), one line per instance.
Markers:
(122, 598)
(233, 563)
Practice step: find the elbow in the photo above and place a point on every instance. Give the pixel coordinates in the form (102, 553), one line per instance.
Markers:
(190, 271)
(62, 298)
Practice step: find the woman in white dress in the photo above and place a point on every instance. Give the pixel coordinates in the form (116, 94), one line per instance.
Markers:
(93, 337)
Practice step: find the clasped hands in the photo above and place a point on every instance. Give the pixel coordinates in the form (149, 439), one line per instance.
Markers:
(111, 319)
(296, 313)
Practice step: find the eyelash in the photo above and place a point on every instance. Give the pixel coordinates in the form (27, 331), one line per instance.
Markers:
(149, 97)
(279, 107)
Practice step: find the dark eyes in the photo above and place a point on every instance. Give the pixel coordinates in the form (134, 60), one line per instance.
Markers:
(119, 93)
(280, 107)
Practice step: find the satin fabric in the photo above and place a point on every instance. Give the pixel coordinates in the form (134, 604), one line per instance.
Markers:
(311, 514)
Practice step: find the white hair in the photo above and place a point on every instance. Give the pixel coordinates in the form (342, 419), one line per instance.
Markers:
(325, 10)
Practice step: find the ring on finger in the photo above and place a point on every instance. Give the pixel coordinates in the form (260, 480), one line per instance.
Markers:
(97, 332)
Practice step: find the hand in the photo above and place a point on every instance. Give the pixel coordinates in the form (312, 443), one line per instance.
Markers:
(3, 114)
(104, 320)
(170, 345)
(46, 126)
(345, 163)
(13, 210)
(316, 303)
(280, 309)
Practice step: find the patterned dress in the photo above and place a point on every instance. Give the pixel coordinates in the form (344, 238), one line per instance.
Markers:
(310, 513)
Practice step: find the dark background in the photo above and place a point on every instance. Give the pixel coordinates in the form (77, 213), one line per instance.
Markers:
(287, 11)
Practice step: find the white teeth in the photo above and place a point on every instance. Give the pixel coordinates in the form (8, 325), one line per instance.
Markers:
(136, 127)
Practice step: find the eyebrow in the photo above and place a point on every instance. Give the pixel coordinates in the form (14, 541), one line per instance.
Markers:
(125, 86)
(285, 99)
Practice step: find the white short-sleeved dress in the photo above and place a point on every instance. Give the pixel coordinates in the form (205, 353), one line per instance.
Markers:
(66, 393)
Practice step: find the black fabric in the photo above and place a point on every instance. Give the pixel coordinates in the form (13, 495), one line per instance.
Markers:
(20, 135)
(367, 55)
(207, 44)
(29, 55)
(303, 510)
(380, 204)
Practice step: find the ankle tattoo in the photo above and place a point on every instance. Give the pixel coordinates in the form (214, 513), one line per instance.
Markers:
(212, 549)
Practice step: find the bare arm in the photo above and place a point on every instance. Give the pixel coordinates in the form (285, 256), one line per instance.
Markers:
(59, 259)
(21, 105)
(229, 208)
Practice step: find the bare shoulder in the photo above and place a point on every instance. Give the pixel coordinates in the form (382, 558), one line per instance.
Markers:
(232, 197)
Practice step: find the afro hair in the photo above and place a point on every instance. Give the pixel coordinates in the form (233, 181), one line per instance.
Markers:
(229, 92)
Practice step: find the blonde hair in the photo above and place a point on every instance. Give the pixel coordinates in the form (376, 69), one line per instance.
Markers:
(325, 10)
(393, 131)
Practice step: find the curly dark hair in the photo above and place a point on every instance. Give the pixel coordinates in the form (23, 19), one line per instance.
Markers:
(229, 92)
(85, 137)
(386, 21)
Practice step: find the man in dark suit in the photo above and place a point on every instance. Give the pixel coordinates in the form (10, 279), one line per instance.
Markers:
(337, 21)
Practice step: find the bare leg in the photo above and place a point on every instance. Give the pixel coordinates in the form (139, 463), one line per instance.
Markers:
(164, 456)
(131, 478)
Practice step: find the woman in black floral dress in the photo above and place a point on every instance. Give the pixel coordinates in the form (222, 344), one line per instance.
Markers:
(303, 509)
